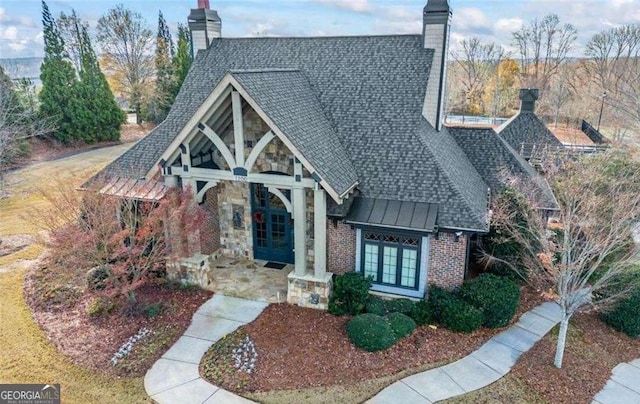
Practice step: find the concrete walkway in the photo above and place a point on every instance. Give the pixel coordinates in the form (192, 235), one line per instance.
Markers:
(623, 387)
(174, 378)
(489, 363)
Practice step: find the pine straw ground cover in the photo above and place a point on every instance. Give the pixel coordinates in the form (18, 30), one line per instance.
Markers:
(59, 305)
(593, 350)
(307, 349)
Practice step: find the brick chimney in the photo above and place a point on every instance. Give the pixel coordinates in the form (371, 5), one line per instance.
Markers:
(436, 20)
(528, 97)
(205, 25)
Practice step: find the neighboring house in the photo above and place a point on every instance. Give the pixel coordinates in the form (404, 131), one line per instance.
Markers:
(525, 132)
(328, 153)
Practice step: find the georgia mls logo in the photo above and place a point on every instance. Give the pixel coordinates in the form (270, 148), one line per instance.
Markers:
(29, 394)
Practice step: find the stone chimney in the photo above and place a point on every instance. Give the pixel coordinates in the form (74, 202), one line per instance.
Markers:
(528, 97)
(436, 20)
(205, 25)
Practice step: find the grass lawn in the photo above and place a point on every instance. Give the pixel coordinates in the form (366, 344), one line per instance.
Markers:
(27, 356)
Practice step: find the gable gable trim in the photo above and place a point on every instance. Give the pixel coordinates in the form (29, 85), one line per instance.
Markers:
(281, 135)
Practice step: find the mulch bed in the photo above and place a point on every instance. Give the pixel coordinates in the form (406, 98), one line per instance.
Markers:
(92, 342)
(302, 348)
(593, 349)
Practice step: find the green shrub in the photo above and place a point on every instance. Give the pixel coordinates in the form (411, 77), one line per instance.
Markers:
(438, 298)
(376, 305)
(624, 316)
(350, 294)
(402, 305)
(100, 306)
(496, 296)
(460, 316)
(401, 324)
(152, 310)
(421, 313)
(370, 332)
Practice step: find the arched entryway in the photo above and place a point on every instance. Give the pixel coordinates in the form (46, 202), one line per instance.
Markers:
(272, 225)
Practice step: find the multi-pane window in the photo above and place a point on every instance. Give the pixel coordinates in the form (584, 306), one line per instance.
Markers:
(391, 259)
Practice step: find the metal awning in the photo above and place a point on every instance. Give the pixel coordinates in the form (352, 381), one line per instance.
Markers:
(419, 216)
(141, 190)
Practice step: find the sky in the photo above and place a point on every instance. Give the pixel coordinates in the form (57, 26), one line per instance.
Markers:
(489, 20)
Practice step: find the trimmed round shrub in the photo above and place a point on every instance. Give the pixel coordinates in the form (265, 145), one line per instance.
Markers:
(625, 315)
(422, 312)
(376, 305)
(401, 305)
(350, 294)
(496, 296)
(401, 324)
(371, 332)
(460, 316)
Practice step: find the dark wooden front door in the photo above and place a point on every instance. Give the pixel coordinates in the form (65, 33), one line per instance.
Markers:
(272, 232)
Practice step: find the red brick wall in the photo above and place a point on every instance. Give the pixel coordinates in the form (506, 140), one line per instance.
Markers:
(210, 230)
(341, 247)
(447, 259)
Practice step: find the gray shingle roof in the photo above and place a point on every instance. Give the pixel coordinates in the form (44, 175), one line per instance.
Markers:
(494, 159)
(526, 127)
(288, 99)
(371, 90)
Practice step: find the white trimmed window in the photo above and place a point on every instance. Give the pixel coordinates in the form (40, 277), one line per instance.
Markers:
(392, 260)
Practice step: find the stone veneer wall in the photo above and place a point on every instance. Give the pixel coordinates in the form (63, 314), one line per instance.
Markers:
(210, 230)
(341, 247)
(236, 243)
(447, 260)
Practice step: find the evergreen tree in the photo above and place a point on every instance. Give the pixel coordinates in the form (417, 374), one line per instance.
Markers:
(182, 60)
(163, 96)
(104, 115)
(59, 82)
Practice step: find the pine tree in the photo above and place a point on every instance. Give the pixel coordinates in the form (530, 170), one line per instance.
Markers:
(182, 60)
(59, 82)
(105, 116)
(163, 96)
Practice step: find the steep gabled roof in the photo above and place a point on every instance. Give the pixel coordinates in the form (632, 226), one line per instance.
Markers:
(371, 91)
(527, 128)
(494, 159)
(287, 98)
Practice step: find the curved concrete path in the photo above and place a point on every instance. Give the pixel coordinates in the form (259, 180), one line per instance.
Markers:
(489, 363)
(174, 378)
(623, 387)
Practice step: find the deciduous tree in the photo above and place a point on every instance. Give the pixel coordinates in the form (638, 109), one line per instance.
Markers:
(18, 122)
(478, 61)
(543, 46)
(126, 43)
(124, 237)
(613, 63)
(586, 258)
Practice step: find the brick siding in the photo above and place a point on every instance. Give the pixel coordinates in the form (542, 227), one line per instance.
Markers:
(447, 259)
(341, 247)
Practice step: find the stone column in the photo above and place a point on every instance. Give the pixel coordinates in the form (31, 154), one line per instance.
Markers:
(300, 224)
(320, 232)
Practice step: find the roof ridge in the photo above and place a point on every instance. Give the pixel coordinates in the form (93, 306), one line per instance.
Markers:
(319, 36)
(265, 70)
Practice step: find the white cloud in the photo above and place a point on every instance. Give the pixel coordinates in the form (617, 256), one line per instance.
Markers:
(9, 33)
(18, 45)
(3, 14)
(471, 18)
(508, 25)
(359, 6)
